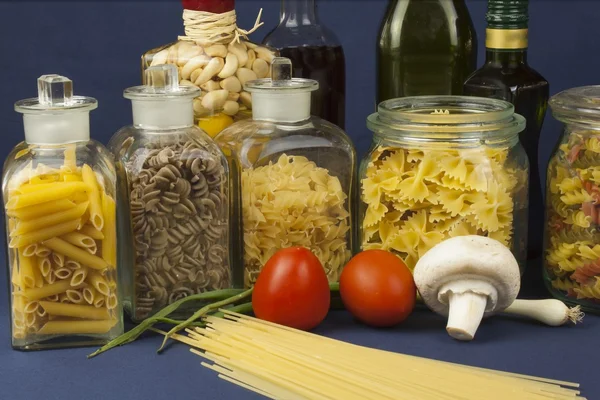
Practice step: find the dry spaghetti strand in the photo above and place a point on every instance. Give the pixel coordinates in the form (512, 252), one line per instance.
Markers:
(283, 363)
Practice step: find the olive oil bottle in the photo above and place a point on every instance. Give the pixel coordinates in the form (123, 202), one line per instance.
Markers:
(425, 47)
(507, 76)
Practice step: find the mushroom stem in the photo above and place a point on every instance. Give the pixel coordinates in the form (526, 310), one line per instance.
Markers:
(550, 312)
(465, 314)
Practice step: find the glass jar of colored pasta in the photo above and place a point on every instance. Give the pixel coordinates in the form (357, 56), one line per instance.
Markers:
(572, 239)
(439, 167)
(59, 191)
(173, 188)
(294, 176)
(215, 55)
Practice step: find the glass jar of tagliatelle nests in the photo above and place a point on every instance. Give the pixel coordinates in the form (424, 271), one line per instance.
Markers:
(215, 56)
(439, 167)
(59, 190)
(572, 239)
(292, 177)
(173, 192)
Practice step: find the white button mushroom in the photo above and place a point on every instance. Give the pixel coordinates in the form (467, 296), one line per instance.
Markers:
(467, 278)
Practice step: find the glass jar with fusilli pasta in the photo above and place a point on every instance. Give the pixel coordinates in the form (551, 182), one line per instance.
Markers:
(572, 237)
(439, 167)
(59, 190)
(174, 205)
(292, 177)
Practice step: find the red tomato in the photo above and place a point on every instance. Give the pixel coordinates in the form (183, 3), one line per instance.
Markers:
(378, 288)
(292, 290)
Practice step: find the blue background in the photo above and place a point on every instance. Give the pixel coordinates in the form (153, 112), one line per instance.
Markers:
(98, 44)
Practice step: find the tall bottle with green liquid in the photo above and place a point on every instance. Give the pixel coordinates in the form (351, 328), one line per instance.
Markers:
(506, 75)
(425, 47)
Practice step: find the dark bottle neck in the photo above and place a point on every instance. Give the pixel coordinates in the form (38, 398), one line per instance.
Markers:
(506, 57)
(298, 12)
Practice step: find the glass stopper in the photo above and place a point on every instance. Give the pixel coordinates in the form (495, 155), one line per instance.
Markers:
(54, 90)
(163, 77)
(281, 70)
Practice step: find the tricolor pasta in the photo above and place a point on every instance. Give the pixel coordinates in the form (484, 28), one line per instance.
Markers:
(415, 198)
(572, 254)
(54, 241)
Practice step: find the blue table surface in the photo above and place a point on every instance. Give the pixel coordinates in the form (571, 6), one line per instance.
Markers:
(135, 371)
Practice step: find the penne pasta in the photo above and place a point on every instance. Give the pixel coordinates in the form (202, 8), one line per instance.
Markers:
(111, 301)
(15, 274)
(42, 251)
(72, 264)
(36, 211)
(50, 220)
(30, 319)
(34, 187)
(54, 297)
(77, 327)
(48, 290)
(75, 310)
(109, 245)
(77, 254)
(50, 279)
(89, 178)
(59, 259)
(37, 274)
(63, 273)
(79, 276)
(90, 294)
(26, 267)
(99, 302)
(44, 234)
(92, 232)
(75, 296)
(62, 298)
(29, 251)
(56, 191)
(45, 266)
(98, 282)
(41, 312)
(31, 307)
(70, 177)
(79, 239)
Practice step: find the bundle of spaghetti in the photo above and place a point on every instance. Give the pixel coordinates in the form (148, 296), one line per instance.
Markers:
(283, 363)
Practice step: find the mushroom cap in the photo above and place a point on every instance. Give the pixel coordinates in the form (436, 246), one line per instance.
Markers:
(472, 258)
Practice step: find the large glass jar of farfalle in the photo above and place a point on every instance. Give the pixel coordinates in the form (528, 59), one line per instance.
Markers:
(439, 167)
(292, 177)
(572, 239)
(174, 207)
(59, 190)
(215, 55)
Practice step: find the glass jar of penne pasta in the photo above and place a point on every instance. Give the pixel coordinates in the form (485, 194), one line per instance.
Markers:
(293, 177)
(173, 189)
(59, 191)
(215, 55)
(439, 167)
(572, 239)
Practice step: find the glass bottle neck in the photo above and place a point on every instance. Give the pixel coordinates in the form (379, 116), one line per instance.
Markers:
(298, 12)
(506, 57)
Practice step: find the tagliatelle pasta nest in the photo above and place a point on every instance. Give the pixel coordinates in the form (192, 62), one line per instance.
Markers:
(416, 198)
(289, 203)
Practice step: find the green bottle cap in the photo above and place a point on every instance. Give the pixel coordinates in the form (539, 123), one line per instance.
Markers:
(508, 14)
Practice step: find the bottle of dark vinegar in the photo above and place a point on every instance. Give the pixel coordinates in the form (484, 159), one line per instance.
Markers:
(316, 53)
(425, 47)
(506, 75)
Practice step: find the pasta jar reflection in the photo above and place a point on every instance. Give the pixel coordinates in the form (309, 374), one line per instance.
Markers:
(59, 191)
(294, 177)
(572, 239)
(173, 183)
(439, 167)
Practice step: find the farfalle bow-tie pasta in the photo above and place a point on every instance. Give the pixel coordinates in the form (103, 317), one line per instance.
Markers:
(416, 198)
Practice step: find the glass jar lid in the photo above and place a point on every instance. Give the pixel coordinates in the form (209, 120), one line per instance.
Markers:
(281, 80)
(439, 115)
(579, 104)
(55, 95)
(161, 82)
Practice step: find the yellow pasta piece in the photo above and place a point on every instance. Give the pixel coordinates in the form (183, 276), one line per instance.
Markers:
(77, 327)
(48, 220)
(56, 191)
(89, 177)
(48, 290)
(79, 239)
(77, 254)
(36, 211)
(98, 282)
(70, 161)
(79, 276)
(109, 243)
(27, 266)
(92, 232)
(75, 310)
(68, 177)
(44, 234)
